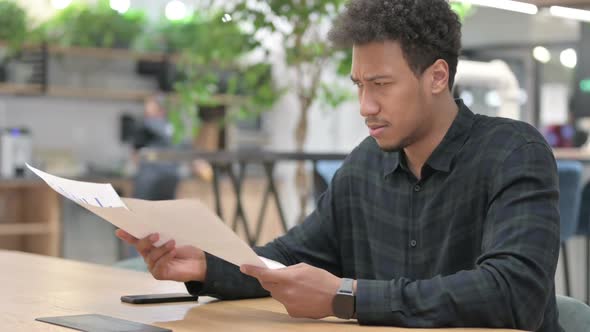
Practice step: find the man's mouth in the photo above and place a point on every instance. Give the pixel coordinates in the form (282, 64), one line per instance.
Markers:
(376, 130)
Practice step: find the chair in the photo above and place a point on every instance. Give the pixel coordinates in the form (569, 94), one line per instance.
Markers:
(574, 315)
(156, 181)
(584, 229)
(570, 178)
(324, 172)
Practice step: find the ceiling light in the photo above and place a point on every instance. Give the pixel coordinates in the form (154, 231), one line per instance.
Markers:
(121, 6)
(541, 54)
(572, 13)
(569, 58)
(515, 6)
(60, 4)
(175, 10)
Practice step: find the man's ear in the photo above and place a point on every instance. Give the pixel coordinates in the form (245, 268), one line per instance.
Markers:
(439, 74)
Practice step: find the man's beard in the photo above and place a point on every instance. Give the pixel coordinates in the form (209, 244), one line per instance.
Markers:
(396, 147)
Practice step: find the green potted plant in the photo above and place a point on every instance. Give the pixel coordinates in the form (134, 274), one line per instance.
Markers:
(211, 49)
(13, 20)
(94, 26)
(172, 38)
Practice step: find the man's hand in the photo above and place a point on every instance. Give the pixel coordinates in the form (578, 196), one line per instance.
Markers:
(305, 291)
(168, 262)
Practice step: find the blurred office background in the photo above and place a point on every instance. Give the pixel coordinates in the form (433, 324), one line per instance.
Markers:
(91, 90)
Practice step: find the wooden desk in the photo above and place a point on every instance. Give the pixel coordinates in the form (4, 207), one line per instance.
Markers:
(37, 286)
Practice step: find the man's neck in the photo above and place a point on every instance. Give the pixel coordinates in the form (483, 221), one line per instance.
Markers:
(418, 152)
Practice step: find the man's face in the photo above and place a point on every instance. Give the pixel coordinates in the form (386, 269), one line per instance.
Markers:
(152, 109)
(393, 100)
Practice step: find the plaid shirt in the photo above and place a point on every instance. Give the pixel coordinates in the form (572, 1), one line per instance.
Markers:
(474, 243)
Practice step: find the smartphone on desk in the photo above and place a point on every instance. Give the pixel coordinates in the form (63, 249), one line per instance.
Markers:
(159, 298)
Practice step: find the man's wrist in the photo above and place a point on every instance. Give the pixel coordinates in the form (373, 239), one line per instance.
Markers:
(200, 275)
(200, 270)
(344, 302)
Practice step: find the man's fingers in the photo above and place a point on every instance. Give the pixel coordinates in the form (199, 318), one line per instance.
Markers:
(265, 275)
(259, 273)
(252, 271)
(159, 268)
(145, 245)
(156, 253)
(121, 234)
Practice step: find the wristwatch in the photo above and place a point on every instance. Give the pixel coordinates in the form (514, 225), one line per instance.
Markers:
(344, 303)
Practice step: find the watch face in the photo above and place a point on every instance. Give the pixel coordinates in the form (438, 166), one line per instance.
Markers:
(343, 306)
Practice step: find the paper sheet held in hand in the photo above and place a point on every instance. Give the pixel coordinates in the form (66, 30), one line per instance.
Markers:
(187, 221)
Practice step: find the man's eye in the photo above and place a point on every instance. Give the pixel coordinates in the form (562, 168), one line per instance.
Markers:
(381, 83)
(358, 84)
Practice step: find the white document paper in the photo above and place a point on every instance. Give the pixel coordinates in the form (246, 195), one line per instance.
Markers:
(94, 194)
(187, 221)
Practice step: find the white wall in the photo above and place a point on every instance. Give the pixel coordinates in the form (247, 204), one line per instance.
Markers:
(89, 129)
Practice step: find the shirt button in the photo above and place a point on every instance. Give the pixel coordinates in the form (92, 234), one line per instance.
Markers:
(413, 243)
(417, 188)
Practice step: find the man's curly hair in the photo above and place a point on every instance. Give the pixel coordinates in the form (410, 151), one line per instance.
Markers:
(427, 30)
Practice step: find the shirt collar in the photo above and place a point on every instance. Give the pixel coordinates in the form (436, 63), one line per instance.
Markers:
(443, 155)
(390, 161)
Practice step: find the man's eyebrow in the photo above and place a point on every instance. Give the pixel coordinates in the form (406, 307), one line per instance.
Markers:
(371, 78)
(377, 77)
